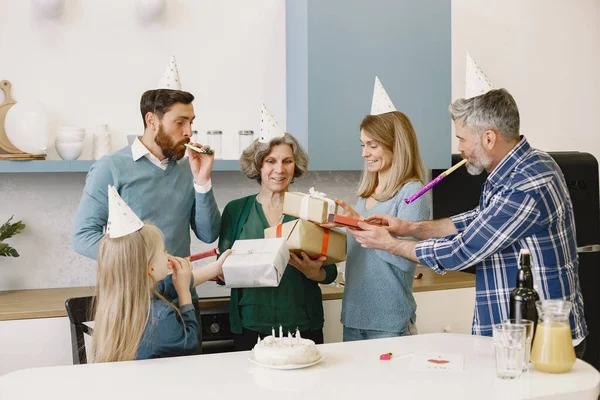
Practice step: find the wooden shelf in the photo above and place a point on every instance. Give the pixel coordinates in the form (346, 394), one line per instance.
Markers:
(82, 166)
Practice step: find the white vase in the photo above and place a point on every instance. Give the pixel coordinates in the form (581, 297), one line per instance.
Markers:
(102, 141)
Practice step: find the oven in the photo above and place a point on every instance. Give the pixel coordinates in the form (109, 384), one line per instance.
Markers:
(216, 334)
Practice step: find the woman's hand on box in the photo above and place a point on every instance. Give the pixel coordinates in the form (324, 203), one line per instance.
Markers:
(348, 212)
(312, 269)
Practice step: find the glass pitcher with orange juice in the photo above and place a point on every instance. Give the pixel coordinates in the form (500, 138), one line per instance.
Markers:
(553, 350)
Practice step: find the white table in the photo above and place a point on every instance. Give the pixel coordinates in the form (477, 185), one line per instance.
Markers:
(348, 371)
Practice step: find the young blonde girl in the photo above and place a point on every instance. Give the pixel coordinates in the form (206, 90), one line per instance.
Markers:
(134, 314)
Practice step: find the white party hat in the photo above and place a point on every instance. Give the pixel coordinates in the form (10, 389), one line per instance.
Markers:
(170, 78)
(269, 128)
(476, 83)
(381, 103)
(121, 219)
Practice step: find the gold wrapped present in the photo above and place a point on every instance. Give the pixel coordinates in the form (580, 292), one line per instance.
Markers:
(302, 235)
(313, 206)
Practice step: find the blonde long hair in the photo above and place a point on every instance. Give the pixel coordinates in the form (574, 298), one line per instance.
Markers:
(394, 132)
(124, 293)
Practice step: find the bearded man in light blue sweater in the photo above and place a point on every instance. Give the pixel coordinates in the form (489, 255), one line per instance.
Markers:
(154, 179)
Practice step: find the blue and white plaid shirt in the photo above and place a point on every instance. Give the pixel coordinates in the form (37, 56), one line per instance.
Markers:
(524, 204)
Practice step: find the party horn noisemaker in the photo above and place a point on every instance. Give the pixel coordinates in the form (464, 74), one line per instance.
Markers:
(199, 256)
(433, 182)
(199, 150)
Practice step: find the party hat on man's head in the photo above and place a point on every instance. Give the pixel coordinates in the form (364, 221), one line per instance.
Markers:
(381, 103)
(476, 83)
(269, 128)
(121, 219)
(170, 78)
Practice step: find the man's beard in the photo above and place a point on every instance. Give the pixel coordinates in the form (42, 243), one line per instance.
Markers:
(478, 162)
(173, 151)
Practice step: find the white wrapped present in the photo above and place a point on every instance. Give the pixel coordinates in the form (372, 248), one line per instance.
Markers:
(256, 263)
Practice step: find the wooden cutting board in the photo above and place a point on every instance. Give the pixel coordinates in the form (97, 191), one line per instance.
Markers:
(8, 102)
(21, 157)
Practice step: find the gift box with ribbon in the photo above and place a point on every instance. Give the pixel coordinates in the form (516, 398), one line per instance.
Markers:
(256, 263)
(301, 235)
(313, 206)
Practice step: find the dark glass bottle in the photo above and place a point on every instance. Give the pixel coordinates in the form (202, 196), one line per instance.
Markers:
(524, 296)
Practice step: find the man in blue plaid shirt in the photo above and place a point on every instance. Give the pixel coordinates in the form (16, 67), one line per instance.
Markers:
(524, 204)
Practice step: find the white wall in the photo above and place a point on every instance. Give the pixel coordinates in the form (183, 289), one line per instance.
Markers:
(547, 54)
(91, 64)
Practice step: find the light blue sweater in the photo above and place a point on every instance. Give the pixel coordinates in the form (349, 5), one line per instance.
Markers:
(378, 292)
(166, 199)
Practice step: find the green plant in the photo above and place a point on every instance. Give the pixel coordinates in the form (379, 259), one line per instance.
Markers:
(8, 230)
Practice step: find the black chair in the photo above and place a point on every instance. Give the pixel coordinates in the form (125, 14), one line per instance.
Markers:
(79, 310)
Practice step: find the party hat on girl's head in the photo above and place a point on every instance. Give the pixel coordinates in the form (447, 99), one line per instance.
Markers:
(269, 128)
(476, 82)
(121, 219)
(381, 103)
(170, 78)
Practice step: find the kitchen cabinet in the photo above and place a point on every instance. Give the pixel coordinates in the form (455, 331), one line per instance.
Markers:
(438, 311)
(29, 343)
(334, 50)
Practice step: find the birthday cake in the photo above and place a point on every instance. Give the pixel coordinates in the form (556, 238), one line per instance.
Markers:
(285, 351)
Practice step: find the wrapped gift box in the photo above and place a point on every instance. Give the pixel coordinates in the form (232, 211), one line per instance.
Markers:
(312, 207)
(256, 263)
(301, 235)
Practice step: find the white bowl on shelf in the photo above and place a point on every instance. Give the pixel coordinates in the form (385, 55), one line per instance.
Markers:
(68, 139)
(69, 151)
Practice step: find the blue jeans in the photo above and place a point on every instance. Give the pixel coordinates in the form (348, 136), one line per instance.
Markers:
(353, 334)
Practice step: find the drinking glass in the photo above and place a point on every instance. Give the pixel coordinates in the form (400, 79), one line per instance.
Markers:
(528, 325)
(509, 348)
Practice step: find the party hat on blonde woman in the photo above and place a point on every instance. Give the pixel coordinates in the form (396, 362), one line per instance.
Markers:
(121, 219)
(170, 78)
(381, 103)
(476, 83)
(269, 128)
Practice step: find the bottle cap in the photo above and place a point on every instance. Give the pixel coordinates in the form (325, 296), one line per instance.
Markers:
(524, 257)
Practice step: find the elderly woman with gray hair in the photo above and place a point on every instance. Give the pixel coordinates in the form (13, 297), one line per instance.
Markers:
(297, 301)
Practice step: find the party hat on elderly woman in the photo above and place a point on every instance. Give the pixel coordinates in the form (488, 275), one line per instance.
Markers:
(381, 103)
(269, 128)
(476, 83)
(170, 78)
(121, 219)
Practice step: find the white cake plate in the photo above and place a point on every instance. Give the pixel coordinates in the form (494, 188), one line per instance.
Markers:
(293, 366)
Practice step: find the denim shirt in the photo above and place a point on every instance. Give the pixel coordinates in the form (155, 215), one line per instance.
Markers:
(165, 334)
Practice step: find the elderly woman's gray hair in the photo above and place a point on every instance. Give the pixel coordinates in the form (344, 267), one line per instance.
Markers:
(252, 158)
(495, 110)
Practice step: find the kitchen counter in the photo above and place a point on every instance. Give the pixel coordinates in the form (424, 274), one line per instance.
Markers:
(49, 303)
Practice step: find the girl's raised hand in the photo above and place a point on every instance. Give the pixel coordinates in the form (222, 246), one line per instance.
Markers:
(220, 261)
(182, 275)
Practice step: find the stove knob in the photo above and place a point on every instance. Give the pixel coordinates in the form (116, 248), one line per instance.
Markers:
(215, 328)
